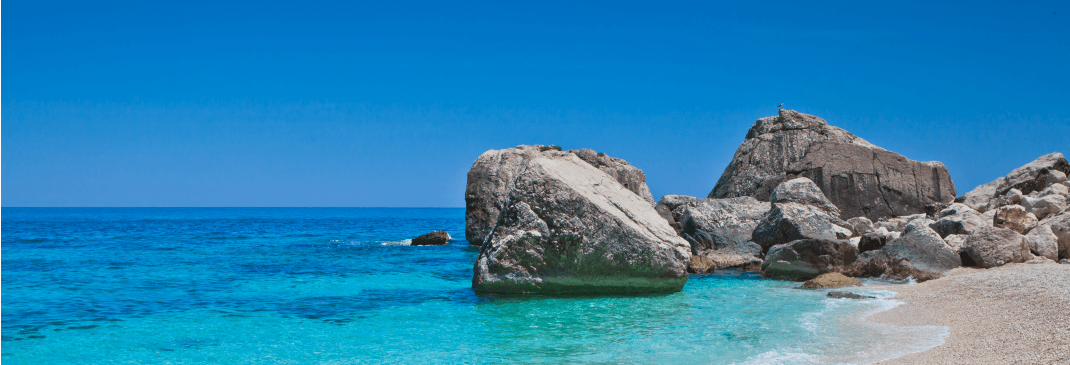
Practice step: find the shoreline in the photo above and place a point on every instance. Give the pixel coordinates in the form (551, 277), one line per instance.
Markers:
(1018, 313)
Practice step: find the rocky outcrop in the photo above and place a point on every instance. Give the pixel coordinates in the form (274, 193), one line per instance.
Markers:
(433, 238)
(806, 259)
(803, 191)
(491, 179)
(719, 231)
(1034, 176)
(831, 280)
(565, 227)
(991, 247)
(919, 253)
(857, 177)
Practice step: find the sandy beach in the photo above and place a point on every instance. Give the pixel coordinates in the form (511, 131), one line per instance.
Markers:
(1015, 314)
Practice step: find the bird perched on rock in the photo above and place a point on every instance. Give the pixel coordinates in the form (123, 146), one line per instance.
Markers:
(780, 106)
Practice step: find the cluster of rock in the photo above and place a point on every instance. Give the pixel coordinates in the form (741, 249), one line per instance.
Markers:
(800, 199)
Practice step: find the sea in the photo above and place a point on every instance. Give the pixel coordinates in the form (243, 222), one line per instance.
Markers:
(344, 286)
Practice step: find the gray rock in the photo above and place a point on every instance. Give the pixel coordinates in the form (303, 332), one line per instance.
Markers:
(631, 177)
(805, 259)
(956, 242)
(672, 203)
(1015, 218)
(1054, 177)
(720, 231)
(433, 238)
(919, 253)
(1055, 189)
(1043, 242)
(847, 295)
(1035, 175)
(1060, 226)
(875, 240)
(859, 178)
(897, 224)
(803, 191)
(861, 225)
(958, 219)
(788, 222)
(569, 228)
(990, 247)
(981, 196)
(492, 176)
(1042, 207)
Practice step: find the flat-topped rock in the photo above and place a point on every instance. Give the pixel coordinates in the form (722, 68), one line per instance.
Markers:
(858, 177)
(566, 227)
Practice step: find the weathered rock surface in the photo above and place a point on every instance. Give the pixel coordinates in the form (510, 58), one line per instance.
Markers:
(861, 225)
(958, 219)
(831, 280)
(433, 238)
(1060, 227)
(897, 224)
(1043, 242)
(1015, 218)
(859, 178)
(803, 191)
(669, 208)
(806, 259)
(876, 240)
(788, 222)
(991, 247)
(1034, 176)
(720, 231)
(565, 227)
(848, 295)
(956, 242)
(492, 176)
(1042, 207)
(918, 253)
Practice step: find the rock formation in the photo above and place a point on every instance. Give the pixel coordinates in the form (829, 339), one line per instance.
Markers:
(433, 238)
(919, 253)
(857, 177)
(991, 247)
(806, 259)
(1045, 171)
(564, 226)
(492, 176)
(831, 280)
(719, 231)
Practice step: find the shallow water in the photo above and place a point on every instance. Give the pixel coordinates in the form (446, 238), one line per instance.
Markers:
(341, 285)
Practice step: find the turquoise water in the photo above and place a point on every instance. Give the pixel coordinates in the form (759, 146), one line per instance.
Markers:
(341, 286)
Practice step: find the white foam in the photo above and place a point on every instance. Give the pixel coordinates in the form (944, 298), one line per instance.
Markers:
(785, 356)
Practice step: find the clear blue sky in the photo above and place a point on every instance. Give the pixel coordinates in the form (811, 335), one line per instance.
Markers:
(351, 104)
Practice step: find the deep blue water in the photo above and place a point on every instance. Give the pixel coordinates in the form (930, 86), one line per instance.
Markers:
(341, 286)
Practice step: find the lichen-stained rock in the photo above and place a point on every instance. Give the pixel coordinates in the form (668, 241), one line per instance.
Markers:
(919, 253)
(492, 176)
(991, 247)
(719, 230)
(568, 228)
(805, 259)
(1015, 218)
(859, 178)
(788, 222)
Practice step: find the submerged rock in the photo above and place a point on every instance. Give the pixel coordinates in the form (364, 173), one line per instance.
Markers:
(493, 174)
(857, 177)
(831, 280)
(566, 227)
(433, 238)
(848, 295)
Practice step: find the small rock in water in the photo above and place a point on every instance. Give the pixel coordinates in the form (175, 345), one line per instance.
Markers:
(831, 280)
(847, 295)
(433, 238)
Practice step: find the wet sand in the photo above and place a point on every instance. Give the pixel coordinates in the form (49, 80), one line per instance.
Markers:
(1014, 314)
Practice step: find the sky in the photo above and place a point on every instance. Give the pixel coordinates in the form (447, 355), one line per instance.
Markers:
(352, 104)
